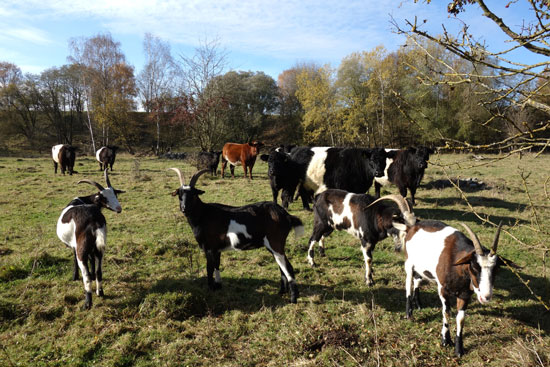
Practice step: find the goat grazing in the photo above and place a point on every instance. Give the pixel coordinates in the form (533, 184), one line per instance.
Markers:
(218, 227)
(361, 215)
(83, 227)
(460, 267)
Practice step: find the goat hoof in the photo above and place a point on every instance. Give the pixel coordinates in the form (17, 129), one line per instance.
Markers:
(88, 302)
(216, 286)
(446, 341)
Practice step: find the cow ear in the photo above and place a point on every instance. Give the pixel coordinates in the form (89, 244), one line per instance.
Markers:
(391, 154)
(264, 157)
(465, 259)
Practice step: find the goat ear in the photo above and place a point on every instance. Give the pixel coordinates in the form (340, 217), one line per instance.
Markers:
(399, 226)
(465, 259)
(198, 192)
(119, 191)
(174, 193)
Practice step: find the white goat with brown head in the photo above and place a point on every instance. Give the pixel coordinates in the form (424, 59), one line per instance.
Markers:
(459, 265)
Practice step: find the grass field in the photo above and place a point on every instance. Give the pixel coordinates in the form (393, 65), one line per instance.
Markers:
(158, 311)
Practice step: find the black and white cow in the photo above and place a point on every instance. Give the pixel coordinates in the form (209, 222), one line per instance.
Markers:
(349, 169)
(64, 155)
(405, 169)
(106, 156)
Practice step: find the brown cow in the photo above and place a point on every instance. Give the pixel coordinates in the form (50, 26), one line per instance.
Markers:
(240, 154)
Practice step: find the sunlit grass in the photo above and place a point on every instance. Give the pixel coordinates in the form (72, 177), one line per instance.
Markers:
(158, 310)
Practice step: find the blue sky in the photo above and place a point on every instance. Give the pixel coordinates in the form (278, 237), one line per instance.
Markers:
(258, 35)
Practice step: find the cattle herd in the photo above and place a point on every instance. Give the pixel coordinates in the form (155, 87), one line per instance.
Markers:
(335, 181)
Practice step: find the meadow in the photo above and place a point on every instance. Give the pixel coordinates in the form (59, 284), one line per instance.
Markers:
(158, 311)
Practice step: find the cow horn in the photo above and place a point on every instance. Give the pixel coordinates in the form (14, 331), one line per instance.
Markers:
(93, 183)
(409, 217)
(196, 177)
(495, 241)
(107, 181)
(475, 240)
(177, 170)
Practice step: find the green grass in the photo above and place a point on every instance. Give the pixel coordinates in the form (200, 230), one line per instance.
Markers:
(159, 312)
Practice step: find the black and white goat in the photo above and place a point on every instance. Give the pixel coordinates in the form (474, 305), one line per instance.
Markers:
(218, 227)
(83, 227)
(361, 215)
(460, 267)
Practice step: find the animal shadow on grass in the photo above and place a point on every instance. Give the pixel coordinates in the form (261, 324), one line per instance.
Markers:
(446, 215)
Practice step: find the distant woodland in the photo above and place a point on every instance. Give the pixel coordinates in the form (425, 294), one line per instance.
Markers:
(438, 90)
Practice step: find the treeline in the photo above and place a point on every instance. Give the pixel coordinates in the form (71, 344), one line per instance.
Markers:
(373, 98)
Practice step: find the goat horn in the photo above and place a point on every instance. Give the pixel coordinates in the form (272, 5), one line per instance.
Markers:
(409, 217)
(495, 241)
(107, 181)
(177, 170)
(475, 240)
(196, 177)
(93, 183)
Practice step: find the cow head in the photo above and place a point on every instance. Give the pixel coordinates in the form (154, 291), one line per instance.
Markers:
(255, 147)
(420, 156)
(277, 163)
(376, 161)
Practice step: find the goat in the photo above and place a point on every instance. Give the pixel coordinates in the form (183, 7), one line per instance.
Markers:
(460, 267)
(360, 215)
(218, 227)
(83, 227)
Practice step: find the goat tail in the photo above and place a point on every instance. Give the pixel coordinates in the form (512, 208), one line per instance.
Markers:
(297, 225)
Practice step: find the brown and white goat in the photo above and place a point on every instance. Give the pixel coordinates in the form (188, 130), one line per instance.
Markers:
(83, 227)
(218, 228)
(460, 267)
(360, 215)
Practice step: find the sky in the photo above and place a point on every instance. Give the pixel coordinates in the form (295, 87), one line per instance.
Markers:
(257, 35)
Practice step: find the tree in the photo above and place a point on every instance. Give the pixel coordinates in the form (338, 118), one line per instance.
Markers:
(317, 95)
(156, 81)
(516, 89)
(107, 95)
(203, 110)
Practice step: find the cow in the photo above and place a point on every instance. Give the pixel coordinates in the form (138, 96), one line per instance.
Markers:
(349, 169)
(405, 169)
(64, 155)
(209, 161)
(106, 156)
(284, 174)
(240, 154)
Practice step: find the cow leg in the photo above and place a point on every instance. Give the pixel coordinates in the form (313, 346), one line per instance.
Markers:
(100, 166)
(224, 163)
(413, 192)
(305, 197)
(461, 305)
(250, 171)
(320, 231)
(377, 187)
(403, 191)
(446, 310)
(232, 169)
(217, 276)
(55, 167)
(366, 248)
(245, 171)
(62, 166)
